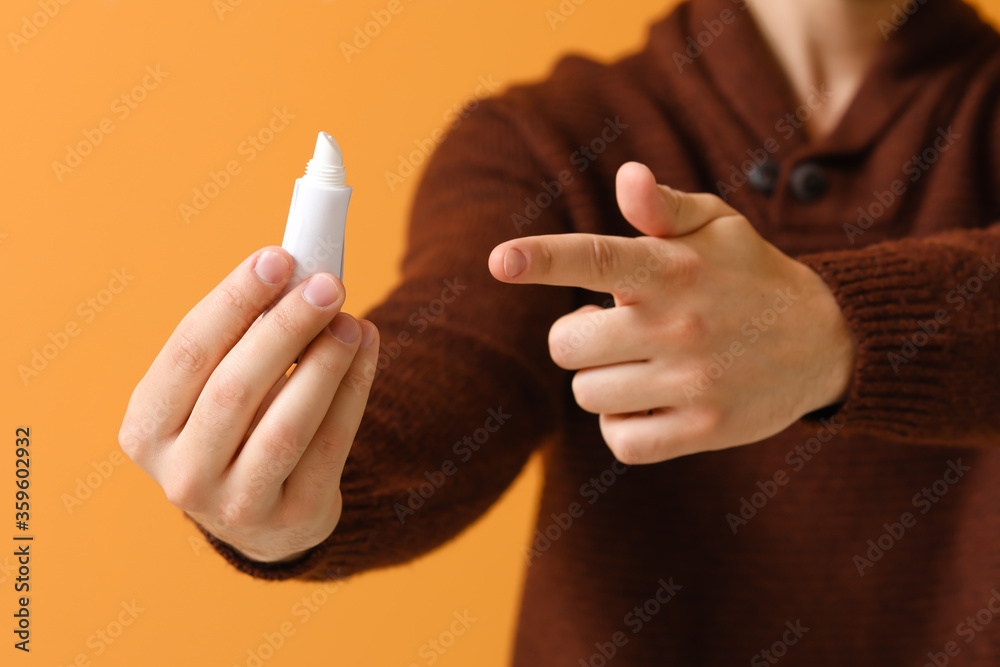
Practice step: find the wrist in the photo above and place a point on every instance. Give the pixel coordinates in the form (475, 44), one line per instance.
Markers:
(837, 351)
(293, 556)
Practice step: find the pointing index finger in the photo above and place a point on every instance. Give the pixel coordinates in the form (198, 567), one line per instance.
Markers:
(591, 261)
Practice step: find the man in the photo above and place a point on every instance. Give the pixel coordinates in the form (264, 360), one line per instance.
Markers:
(809, 365)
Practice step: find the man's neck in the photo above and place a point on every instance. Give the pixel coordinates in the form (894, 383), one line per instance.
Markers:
(823, 44)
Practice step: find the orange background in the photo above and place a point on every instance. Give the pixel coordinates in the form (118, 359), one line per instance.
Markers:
(64, 235)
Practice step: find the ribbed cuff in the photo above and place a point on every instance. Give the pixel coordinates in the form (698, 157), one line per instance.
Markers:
(307, 563)
(894, 308)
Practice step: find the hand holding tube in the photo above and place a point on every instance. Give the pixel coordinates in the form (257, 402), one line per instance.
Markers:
(250, 453)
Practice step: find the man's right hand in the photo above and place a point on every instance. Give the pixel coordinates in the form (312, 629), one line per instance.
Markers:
(252, 454)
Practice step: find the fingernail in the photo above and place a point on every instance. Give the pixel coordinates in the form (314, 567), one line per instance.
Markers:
(320, 291)
(271, 267)
(345, 328)
(368, 335)
(514, 262)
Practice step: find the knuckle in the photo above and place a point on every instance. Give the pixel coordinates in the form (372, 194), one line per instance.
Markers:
(734, 221)
(659, 255)
(187, 353)
(731, 225)
(282, 445)
(331, 358)
(625, 448)
(562, 355)
(687, 328)
(305, 499)
(328, 448)
(560, 348)
(143, 426)
(360, 376)
(658, 249)
(294, 517)
(713, 203)
(681, 203)
(132, 438)
(332, 509)
(545, 258)
(586, 392)
(693, 378)
(684, 265)
(284, 320)
(303, 527)
(229, 391)
(377, 341)
(602, 257)
(689, 373)
(237, 510)
(184, 491)
(232, 296)
(260, 479)
(705, 422)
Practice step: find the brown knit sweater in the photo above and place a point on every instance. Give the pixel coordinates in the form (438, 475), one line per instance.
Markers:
(868, 535)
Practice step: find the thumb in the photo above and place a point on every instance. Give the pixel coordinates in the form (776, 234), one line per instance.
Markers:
(658, 210)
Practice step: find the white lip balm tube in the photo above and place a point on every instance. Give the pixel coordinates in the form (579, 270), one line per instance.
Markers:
(317, 217)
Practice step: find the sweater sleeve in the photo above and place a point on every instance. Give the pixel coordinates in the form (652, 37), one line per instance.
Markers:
(465, 389)
(926, 315)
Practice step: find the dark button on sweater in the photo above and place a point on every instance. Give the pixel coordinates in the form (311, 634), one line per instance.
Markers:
(763, 177)
(808, 182)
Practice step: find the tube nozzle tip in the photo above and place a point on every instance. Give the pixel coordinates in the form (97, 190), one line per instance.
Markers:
(328, 151)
